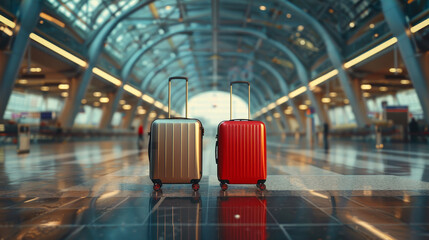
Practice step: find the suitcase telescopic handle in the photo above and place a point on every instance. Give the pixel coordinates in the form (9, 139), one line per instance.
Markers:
(230, 98)
(169, 93)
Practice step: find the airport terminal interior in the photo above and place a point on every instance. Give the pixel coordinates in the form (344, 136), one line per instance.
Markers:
(339, 90)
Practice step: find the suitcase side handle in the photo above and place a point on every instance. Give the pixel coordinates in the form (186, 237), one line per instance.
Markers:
(230, 97)
(169, 93)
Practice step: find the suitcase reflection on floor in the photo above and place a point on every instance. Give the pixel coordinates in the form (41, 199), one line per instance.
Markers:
(242, 218)
(175, 217)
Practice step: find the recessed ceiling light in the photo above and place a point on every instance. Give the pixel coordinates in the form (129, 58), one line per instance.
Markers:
(372, 26)
(333, 94)
(96, 104)
(104, 100)
(23, 81)
(326, 100)
(44, 88)
(352, 24)
(300, 28)
(122, 102)
(365, 86)
(35, 69)
(63, 86)
(276, 115)
(168, 7)
(303, 107)
(302, 42)
(288, 15)
(64, 94)
(97, 94)
(383, 89)
(395, 70)
(346, 101)
(405, 81)
(83, 101)
(366, 94)
(126, 107)
(262, 8)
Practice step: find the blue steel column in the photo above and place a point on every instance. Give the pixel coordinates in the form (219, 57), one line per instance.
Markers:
(334, 55)
(71, 108)
(395, 18)
(27, 21)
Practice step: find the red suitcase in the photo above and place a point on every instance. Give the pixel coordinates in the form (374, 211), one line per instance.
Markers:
(242, 218)
(241, 150)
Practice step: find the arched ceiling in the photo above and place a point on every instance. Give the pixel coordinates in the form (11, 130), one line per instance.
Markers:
(162, 17)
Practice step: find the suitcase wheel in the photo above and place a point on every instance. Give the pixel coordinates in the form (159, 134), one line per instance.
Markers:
(195, 186)
(223, 186)
(156, 186)
(261, 186)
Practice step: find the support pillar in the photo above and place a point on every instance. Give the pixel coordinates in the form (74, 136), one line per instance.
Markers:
(64, 119)
(395, 18)
(108, 110)
(27, 21)
(360, 100)
(129, 117)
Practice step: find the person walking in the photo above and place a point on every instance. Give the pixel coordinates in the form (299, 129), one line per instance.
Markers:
(140, 139)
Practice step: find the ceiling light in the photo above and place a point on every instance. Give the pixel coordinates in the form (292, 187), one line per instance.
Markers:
(63, 86)
(23, 81)
(44, 88)
(300, 28)
(352, 24)
(35, 69)
(122, 102)
(282, 100)
(372, 26)
(365, 86)
(376, 35)
(271, 106)
(333, 94)
(405, 81)
(165, 108)
(303, 107)
(383, 89)
(288, 15)
(141, 111)
(161, 116)
(366, 94)
(104, 100)
(96, 104)
(126, 107)
(262, 8)
(297, 34)
(269, 118)
(64, 94)
(346, 101)
(106, 76)
(132, 90)
(168, 7)
(83, 101)
(276, 115)
(297, 92)
(159, 105)
(395, 70)
(148, 98)
(152, 115)
(6, 30)
(302, 42)
(97, 94)
(307, 102)
(326, 100)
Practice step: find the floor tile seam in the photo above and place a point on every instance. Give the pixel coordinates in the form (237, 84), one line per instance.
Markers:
(154, 208)
(110, 209)
(379, 212)
(50, 211)
(275, 220)
(38, 198)
(330, 216)
(76, 231)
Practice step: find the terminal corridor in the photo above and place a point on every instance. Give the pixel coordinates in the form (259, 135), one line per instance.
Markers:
(93, 190)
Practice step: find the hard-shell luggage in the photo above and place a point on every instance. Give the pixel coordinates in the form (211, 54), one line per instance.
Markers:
(175, 218)
(242, 218)
(241, 150)
(175, 148)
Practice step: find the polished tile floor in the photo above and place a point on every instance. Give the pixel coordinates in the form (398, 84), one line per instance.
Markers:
(101, 190)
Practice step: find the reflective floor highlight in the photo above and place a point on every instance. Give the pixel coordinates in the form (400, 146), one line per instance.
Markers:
(101, 190)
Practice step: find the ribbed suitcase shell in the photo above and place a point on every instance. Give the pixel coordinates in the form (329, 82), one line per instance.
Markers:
(176, 218)
(242, 218)
(242, 152)
(175, 151)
